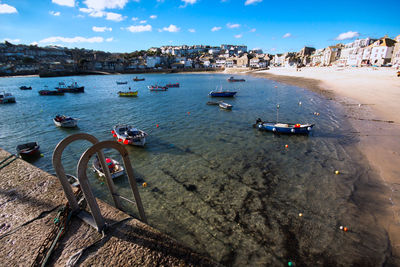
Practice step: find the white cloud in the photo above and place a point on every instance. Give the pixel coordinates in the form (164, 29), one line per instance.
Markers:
(232, 26)
(188, 2)
(55, 13)
(287, 35)
(192, 30)
(253, 30)
(34, 43)
(250, 2)
(70, 3)
(171, 28)
(143, 21)
(140, 28)
(14, 41)
(7, 9)
(77, 39)
(153, 16)
(238, 36)
(109, 39)
(214, 29)
(347, 35)
(105, 4)
(135, 18)
(101, 29)
(114, 16)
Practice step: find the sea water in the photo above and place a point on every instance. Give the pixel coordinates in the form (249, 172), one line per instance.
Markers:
(215, 183)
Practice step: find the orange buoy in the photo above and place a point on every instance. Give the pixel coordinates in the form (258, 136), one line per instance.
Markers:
(286, 146)
(345, 229)
(144, 184)
(188, 113)
(276, 86)
(126, 142)
(157, 125)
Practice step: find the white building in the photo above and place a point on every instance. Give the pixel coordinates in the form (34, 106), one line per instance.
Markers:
(382, 51)
(151, 62)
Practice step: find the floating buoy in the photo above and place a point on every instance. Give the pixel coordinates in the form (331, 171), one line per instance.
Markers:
(157, 125)
(359, 105)
(337, 172)
(290, 263)
(188, 113)
(299, 103)
(276, 86)
(41, 155)
(286, 146)
(144, 184)
(126, 142)
(345, 229)
(300, 214)
(341, 227)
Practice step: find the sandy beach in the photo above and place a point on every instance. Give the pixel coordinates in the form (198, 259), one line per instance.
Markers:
(370, 97)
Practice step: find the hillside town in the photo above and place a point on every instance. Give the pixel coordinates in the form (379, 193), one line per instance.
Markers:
(56, 60)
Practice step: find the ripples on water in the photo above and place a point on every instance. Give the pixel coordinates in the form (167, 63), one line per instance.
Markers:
(215, 183)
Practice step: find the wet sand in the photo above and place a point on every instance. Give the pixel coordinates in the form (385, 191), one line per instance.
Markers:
(370, 98)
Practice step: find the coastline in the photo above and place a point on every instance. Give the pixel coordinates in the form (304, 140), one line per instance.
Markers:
(369, 99)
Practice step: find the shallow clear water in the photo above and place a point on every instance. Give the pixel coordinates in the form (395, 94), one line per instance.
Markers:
(215, 183)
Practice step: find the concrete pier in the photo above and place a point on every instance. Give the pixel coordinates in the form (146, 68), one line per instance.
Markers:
(30, 200)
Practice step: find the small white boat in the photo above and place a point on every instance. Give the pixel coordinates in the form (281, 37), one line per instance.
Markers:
(115, 168)
(225, 105)
(129, 135)
(6, 98)
(65, 121)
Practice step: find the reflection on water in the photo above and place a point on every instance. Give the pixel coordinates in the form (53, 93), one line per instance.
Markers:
(215, 183)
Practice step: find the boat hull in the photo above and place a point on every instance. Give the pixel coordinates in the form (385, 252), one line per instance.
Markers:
(222, 94)
(80, 89)
(226, 106)
(28, 149)
(157, 88)
(285, 128)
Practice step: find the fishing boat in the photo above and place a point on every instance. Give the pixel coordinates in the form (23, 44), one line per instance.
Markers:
(6, 98)
(128, 94)
(50, 92)
(129, 135)
(169, 85)
(231, 79)
(286, 128)
(23, 87)
(224, 105)
(72, 88)
(220, 93)
(65, 121)
(136, 79)
(114, 167)
(28, 149)
(157, 88)
(122, 82)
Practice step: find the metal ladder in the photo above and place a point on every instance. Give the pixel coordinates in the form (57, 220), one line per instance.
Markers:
(94, 219)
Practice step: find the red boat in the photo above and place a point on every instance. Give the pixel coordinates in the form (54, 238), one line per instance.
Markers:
(28, 149)
(169, 85)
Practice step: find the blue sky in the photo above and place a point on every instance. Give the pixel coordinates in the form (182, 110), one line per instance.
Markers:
(129, 25)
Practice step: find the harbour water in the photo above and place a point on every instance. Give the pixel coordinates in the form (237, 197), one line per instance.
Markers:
(214, 182)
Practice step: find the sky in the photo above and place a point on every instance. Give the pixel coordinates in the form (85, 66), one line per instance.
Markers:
(130, 25)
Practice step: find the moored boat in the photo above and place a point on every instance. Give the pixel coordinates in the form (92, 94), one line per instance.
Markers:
(122, 82)
(129, 135)
(287, 128)
(50, 92)
(225, 105)
(23, 87)
(232, 79)
(72, 88)
(222, 94)
(6, 98)
(128, 94)
(136, 79)
(169, 85)
(28, 149)
(65, 121)
(157, 88)
(114, 167)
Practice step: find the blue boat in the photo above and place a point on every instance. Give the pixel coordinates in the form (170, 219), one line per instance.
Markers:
(222, 94)
(286, 128)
